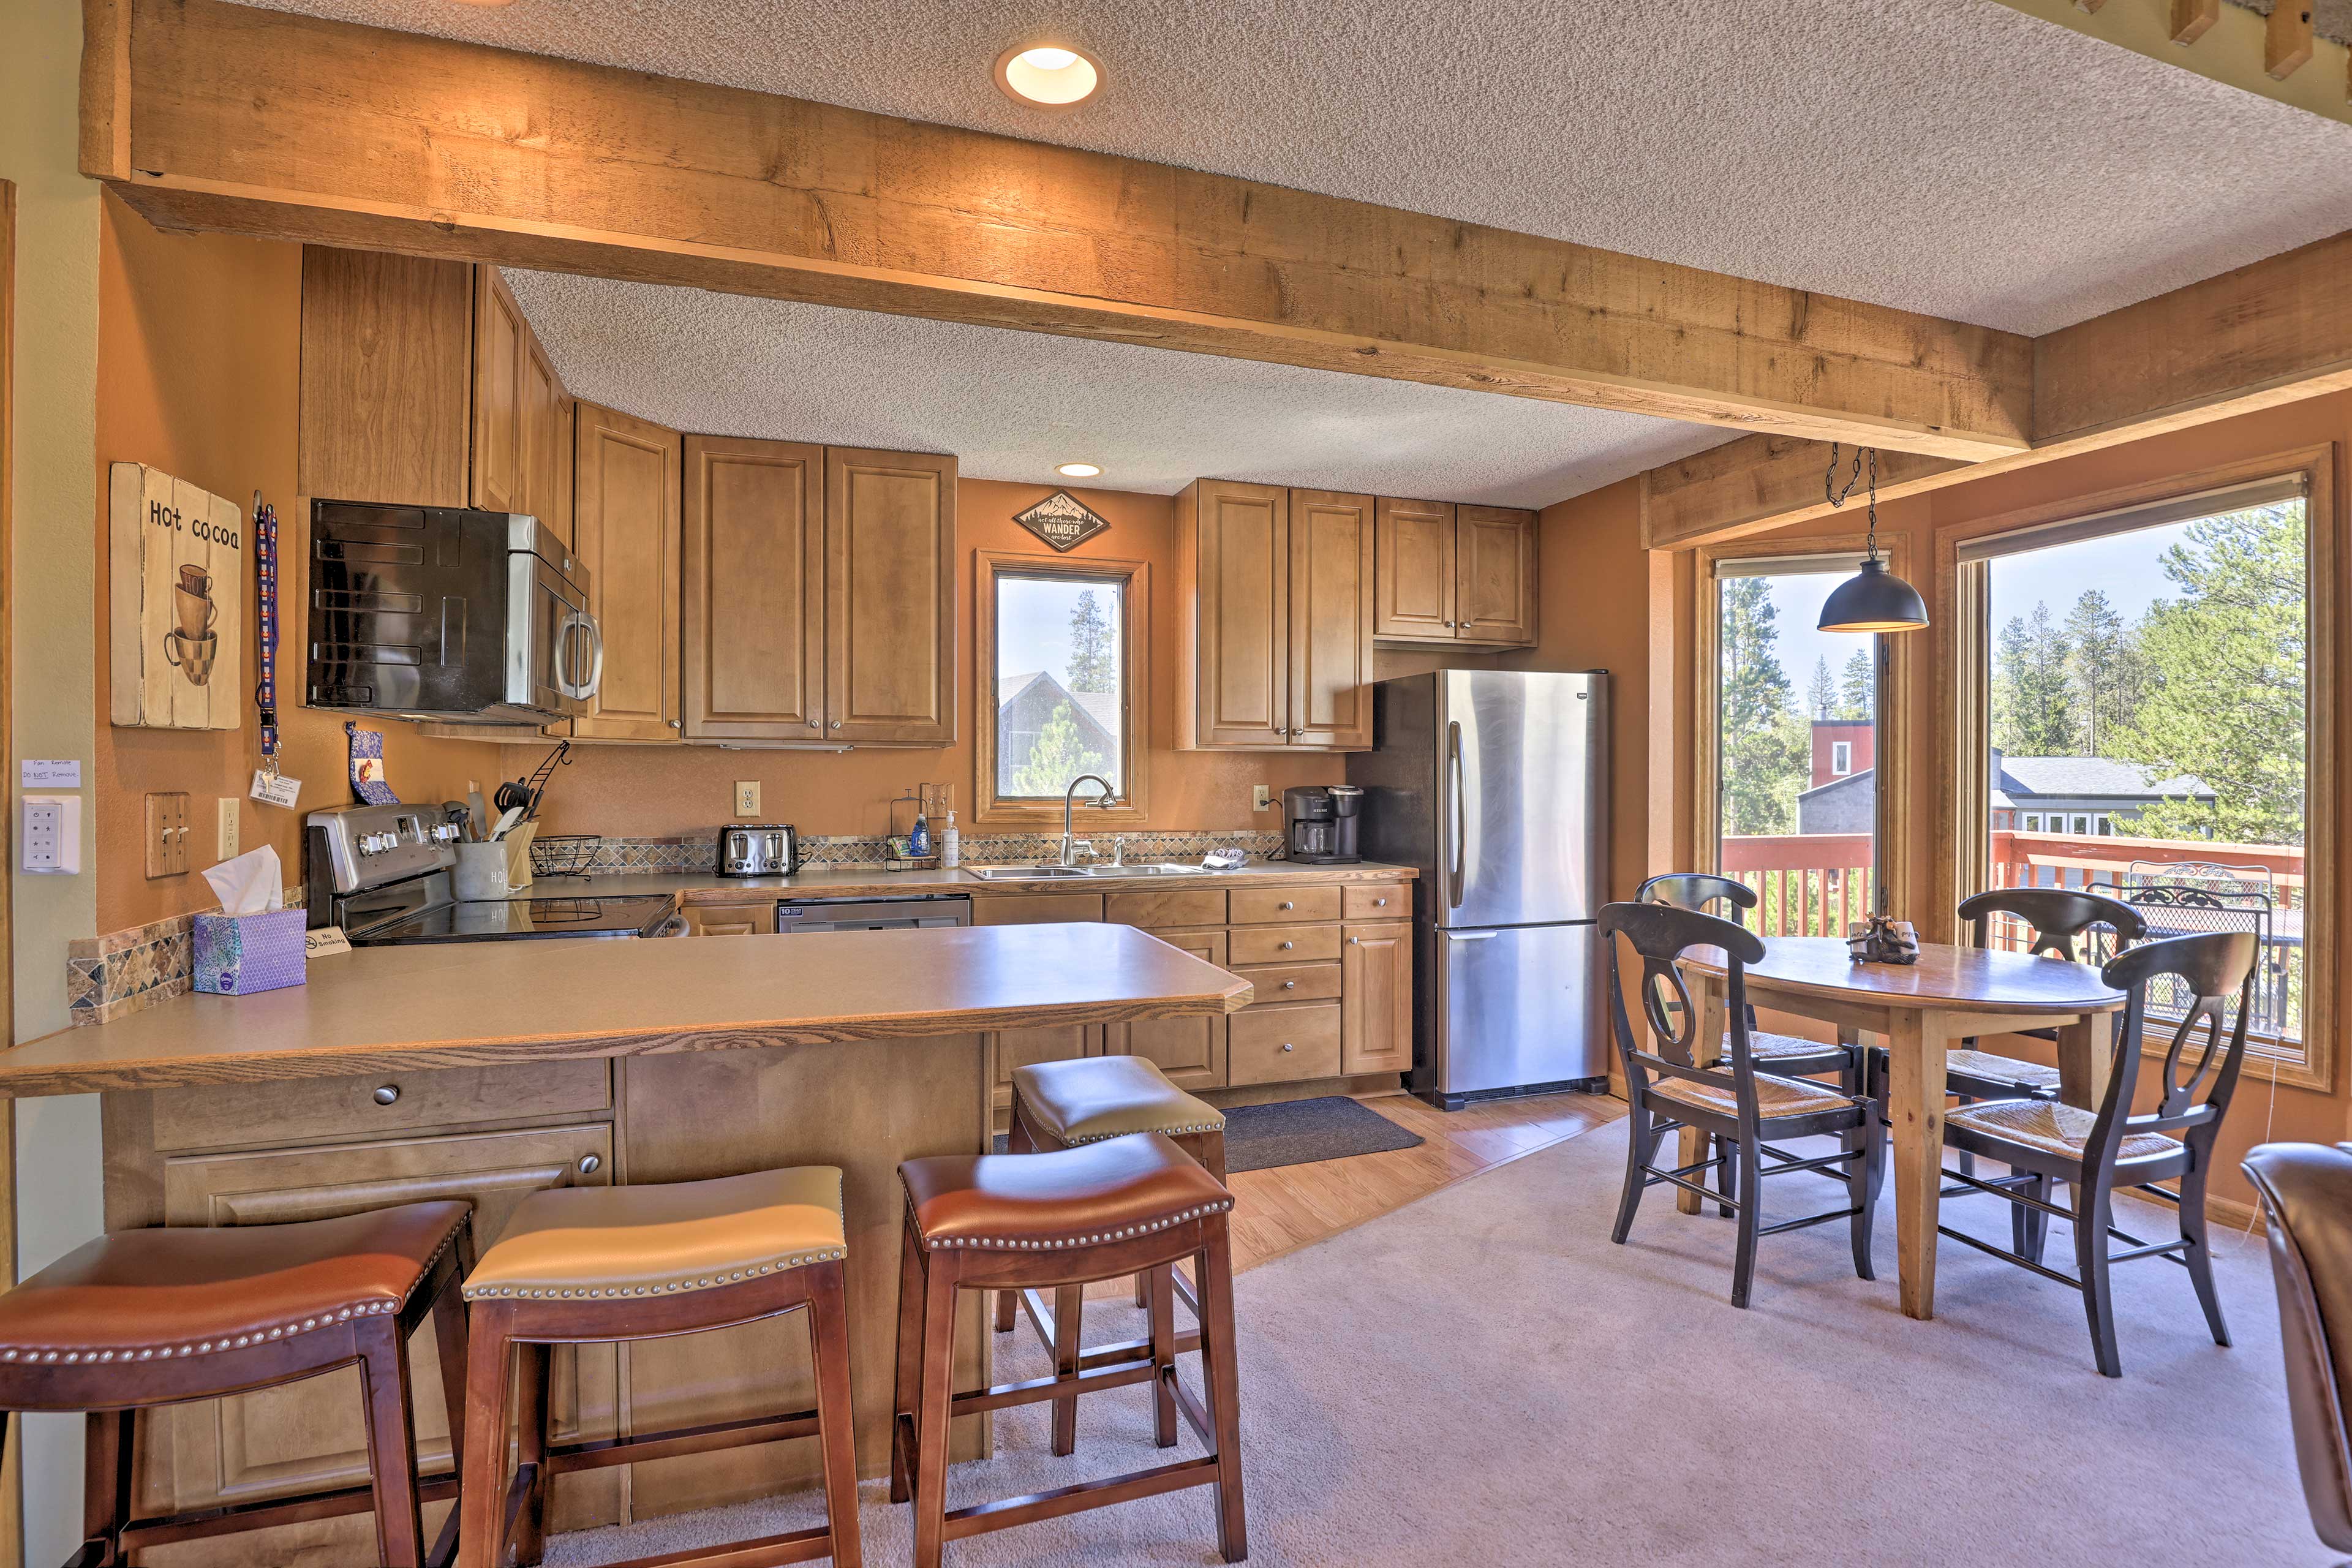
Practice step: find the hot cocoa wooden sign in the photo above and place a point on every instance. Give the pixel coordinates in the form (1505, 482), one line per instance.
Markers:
(176, 616)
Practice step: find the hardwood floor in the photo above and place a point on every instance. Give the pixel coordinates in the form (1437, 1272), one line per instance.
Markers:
(1281, 1210)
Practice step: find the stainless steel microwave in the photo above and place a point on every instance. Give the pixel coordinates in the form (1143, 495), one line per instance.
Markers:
(478, 617)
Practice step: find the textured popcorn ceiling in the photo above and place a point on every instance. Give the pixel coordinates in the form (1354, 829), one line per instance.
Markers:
(1951, 156)
(1011, 405)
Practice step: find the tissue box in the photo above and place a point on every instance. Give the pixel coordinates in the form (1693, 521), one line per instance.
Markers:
(238, 955)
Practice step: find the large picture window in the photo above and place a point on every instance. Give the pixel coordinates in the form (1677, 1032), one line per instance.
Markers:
(1794, 742)
(2141, 706)
(1063, 677)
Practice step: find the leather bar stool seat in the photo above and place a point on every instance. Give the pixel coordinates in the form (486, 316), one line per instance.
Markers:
(1066, 1104)
(599, 1264)
(142, 1317)
(1059, 1220)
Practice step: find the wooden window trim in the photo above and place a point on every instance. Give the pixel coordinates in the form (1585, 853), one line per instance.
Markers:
(1134, 580)
(1891, 749)
(1962, 611)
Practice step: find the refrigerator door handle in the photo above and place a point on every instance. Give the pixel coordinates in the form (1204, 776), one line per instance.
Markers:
(1470, 935)
(1461, 817)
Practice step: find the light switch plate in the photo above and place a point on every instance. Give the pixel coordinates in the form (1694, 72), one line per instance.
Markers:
(227, 826)
(167, 834)
(746, 797)
(51, 835)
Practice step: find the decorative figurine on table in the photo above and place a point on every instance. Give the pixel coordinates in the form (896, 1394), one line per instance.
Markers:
(1882, 940)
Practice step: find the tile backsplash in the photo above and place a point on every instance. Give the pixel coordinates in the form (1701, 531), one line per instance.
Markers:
(125, 972)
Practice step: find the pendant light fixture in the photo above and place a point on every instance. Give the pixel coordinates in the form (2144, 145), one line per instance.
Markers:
(1874, 599)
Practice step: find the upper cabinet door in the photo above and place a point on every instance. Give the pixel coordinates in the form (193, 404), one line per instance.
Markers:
(753, 608)
(626, 515)
(541, 492)
(1494, 579)
(501, 335)
(387, 349)
(889, 619)
(1233, 558)
(1414, 570)
(1330, 620)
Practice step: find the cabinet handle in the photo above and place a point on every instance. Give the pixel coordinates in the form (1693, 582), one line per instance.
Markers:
(1380, 903)
(1355, 941)
(674, 724)
(837, 723)
(1286, 1045)
(1286, 947)
(385, 1094)
(590, 1164)
(1285, 904)
(817, 723)
(1449, 625)
(1290, 986)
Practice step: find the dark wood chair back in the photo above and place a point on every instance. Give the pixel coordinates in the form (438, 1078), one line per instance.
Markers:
(1659, 934)
(1696, 890)
(2054, 917)
(2194, 1086)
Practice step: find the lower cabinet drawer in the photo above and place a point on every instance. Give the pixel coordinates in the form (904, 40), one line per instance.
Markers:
(1283, 1044)
(1282, 944)
(306, 1110)
(1293, 983)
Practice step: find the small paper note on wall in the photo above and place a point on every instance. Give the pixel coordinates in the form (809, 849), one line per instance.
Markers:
(176, 613)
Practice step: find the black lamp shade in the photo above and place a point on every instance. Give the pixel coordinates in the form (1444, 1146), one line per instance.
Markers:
(1874, 600)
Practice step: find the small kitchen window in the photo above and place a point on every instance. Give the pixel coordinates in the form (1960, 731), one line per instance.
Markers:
(1063, 689)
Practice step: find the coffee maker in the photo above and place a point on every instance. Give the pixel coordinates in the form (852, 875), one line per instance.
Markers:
(1318, 824)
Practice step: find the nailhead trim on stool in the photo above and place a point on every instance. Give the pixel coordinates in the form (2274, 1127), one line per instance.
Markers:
(586, 1292)
(999, 1244)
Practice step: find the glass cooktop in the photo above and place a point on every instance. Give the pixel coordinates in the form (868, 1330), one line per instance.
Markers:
(497, 919)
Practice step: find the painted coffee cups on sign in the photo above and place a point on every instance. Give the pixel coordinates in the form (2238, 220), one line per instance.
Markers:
(192, 654)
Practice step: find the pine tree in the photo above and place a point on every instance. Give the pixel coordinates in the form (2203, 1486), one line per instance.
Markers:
(1764, 738)
(1820, 695)
(2097, 635)
(1093, 664)
(1058, 756)
(1858, 698)
(2032, 702)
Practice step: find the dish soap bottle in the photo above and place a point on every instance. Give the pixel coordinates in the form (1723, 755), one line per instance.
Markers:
(950, 843)
(918, 843)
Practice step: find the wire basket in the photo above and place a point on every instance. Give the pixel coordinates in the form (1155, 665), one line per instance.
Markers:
(565, 855)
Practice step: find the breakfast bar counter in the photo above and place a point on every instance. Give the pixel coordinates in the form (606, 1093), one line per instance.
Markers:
(488, 1071)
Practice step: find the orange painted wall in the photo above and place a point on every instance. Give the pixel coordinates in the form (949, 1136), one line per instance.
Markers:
(681, 789)
(198, 355)
(1965, 511)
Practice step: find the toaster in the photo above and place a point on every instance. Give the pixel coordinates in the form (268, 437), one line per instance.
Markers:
(759, 849)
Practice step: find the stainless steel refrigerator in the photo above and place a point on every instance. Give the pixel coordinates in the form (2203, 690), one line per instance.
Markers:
(1494, 786)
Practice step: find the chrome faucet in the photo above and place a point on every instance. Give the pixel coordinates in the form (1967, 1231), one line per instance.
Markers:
(1071, 845)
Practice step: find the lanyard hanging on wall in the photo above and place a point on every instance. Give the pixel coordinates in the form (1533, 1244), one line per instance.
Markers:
(269, 784)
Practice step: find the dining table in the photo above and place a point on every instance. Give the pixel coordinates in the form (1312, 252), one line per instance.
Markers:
(1918, 1012)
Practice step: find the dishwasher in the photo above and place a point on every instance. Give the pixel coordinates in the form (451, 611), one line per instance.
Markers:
(905, 912)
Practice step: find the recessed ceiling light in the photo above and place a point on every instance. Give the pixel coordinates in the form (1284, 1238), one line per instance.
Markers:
(1077, 471)
(1048, 76)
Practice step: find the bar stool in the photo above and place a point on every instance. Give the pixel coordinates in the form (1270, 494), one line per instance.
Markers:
(142, 1317)
(1068, 1217)
(1063, 1105)
(595, 1265)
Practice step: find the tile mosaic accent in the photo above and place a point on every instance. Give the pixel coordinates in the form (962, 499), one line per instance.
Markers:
(126, 971)
(686, 856)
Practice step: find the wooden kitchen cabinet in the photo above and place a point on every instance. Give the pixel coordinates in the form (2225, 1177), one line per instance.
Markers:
(1375, 1007)
(1446, 574)
(1276, 622)
(500, 334)
(546, 433)
(754, 588)
(889, 619)
(731, 920)
(305, 1436)
(626, 524)
(1010, 1048)
(1191, 1051)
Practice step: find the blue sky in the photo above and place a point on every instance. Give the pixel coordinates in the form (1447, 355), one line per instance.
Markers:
(1033, 622)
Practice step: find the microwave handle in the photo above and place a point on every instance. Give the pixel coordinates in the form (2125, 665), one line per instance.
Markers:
(588, 624)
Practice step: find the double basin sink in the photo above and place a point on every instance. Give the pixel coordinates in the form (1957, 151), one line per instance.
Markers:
(1078, 873)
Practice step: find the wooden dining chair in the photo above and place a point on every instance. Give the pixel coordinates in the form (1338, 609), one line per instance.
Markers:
(1672, 1087)
(2053, 917)
(2097, 1152)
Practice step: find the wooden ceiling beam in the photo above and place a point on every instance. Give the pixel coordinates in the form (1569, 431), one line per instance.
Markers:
(262, 122)
(2287, 41)
(2190, 19)
(2273, 331)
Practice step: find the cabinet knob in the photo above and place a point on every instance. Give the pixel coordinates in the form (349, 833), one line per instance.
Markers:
(1286, 1045)
(1290, 986)
(817, 723)
(1355, 941)
(1380, 903)
(837, 723)
(674, 724)
(590, 1164)
(1285, 904)
(386, 1093)
(1286, 947)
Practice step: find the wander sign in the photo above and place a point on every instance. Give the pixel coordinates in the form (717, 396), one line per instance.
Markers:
(1062, 521)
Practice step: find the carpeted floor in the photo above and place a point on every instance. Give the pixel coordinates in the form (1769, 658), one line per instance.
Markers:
(1481, 1379)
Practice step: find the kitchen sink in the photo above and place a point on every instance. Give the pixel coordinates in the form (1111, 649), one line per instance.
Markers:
(1067, 873)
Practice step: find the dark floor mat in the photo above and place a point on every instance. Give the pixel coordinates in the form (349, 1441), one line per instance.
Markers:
(1302, 1131)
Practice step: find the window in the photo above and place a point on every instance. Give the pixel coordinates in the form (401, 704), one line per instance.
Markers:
(1061, 644)
(2164, 653)
(1795, 725)
(2033, 823)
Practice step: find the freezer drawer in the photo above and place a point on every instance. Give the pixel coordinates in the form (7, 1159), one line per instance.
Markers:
(1515, 1006)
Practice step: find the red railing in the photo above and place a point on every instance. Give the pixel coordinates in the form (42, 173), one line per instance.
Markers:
(1807, 884)
(2074, 861)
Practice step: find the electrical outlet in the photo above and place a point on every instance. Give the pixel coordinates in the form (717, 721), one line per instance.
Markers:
(228, 803)
(746, 797)
(1261, 798)
(167, 834)
(52, 834)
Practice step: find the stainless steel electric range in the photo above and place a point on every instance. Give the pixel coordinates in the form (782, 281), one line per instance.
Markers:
(382, 873)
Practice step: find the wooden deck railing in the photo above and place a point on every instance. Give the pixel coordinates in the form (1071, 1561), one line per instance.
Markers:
(1807, 884)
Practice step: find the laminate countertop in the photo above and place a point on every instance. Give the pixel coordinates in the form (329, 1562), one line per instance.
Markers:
(872, 883)
(471, 1004)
